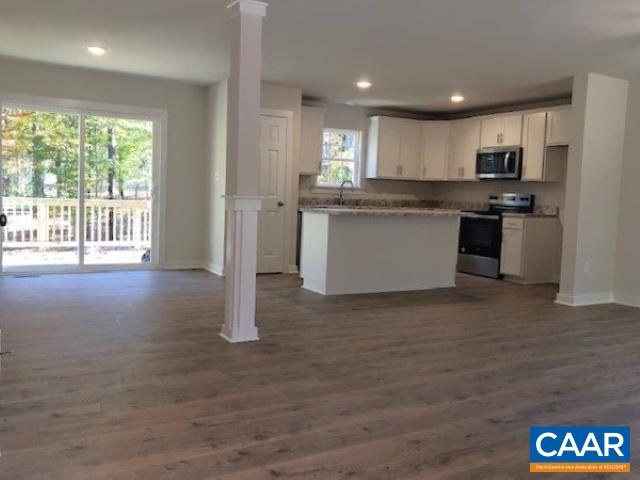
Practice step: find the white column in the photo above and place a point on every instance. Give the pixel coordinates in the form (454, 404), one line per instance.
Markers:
(592, 200)
(243, 170)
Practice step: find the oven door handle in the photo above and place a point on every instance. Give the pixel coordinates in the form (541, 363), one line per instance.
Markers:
(479, 215)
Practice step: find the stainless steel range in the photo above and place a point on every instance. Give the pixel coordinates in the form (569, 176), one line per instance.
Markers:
(481, 233)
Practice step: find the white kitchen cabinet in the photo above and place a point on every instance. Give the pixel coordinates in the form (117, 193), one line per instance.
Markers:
(395, 148)
(311, 132)
(435, 150)
(464, 143)
(559, 127)
(530, 251)
(511, 252)
(534, 146)
(539, 162)
(410, 149)
(503, 130)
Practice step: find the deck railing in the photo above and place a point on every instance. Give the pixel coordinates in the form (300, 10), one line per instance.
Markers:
(34, 222)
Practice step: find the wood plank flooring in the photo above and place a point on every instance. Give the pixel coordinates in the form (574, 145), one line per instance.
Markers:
(124, 376)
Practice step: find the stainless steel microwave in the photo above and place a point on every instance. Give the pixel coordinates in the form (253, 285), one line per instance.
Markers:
(499, 162)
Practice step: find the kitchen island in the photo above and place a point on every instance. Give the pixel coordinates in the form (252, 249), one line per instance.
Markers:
(368, 250)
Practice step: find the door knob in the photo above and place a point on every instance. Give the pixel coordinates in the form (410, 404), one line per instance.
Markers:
(3, 220)
(281, 204)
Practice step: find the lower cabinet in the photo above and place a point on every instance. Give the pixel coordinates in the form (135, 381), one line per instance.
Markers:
(511, 253)
(531, 247)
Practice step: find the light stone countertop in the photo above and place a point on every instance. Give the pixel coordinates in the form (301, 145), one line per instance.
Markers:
(383, 212)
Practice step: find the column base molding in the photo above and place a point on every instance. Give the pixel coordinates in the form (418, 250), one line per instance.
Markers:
(242, 337)
(240, 268)
(584, 299)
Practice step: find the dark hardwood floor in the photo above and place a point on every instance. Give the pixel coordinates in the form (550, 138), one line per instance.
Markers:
(124, 376)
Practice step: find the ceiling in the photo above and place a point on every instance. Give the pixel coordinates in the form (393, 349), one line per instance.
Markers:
(416, 52)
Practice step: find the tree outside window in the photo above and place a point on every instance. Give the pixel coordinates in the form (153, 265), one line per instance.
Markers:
(340, 158)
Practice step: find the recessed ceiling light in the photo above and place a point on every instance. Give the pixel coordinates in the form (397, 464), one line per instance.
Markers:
(363, 84)
(97, 51)
(457, 98)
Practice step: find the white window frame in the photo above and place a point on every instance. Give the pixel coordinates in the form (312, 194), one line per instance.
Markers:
(357, 161)
(159, 165)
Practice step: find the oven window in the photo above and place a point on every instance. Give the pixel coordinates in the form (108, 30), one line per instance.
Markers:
(480, 237)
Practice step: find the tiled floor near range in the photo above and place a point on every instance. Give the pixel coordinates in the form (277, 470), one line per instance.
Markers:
(123, 375)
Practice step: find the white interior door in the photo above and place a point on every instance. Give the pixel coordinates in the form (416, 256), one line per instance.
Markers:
(273, 161)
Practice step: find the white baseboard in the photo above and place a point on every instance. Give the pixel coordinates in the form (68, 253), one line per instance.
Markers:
(584, 299)
(183, 265)
(213, 268)
(626, 299)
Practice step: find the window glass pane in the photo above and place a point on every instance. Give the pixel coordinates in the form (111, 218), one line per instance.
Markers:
(340, 156)
(40, 179)
(335, 172)
(118, 182)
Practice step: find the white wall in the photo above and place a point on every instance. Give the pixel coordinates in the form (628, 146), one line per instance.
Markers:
(593, 189)
(216, 176)
(186, 144)
(627, 277)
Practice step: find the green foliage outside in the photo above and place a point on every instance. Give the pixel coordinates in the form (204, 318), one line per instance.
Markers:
(40, 153)
(334, 173)
(339, 157)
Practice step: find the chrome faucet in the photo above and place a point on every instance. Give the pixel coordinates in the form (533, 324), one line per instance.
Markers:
(341, 198)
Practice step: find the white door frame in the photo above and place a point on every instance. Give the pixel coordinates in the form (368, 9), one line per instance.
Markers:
(290, 211)
(159, 169)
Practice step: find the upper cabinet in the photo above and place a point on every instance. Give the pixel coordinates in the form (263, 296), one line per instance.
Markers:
(312, 125)
(533, 146)
(395, 148)
(504, 130)
(540, 163)
(465, 140)
(559, 127)
(435, 150)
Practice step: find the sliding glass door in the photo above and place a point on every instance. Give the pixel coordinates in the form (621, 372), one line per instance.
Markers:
(40, 159)
(76, 189)
(117, 190)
